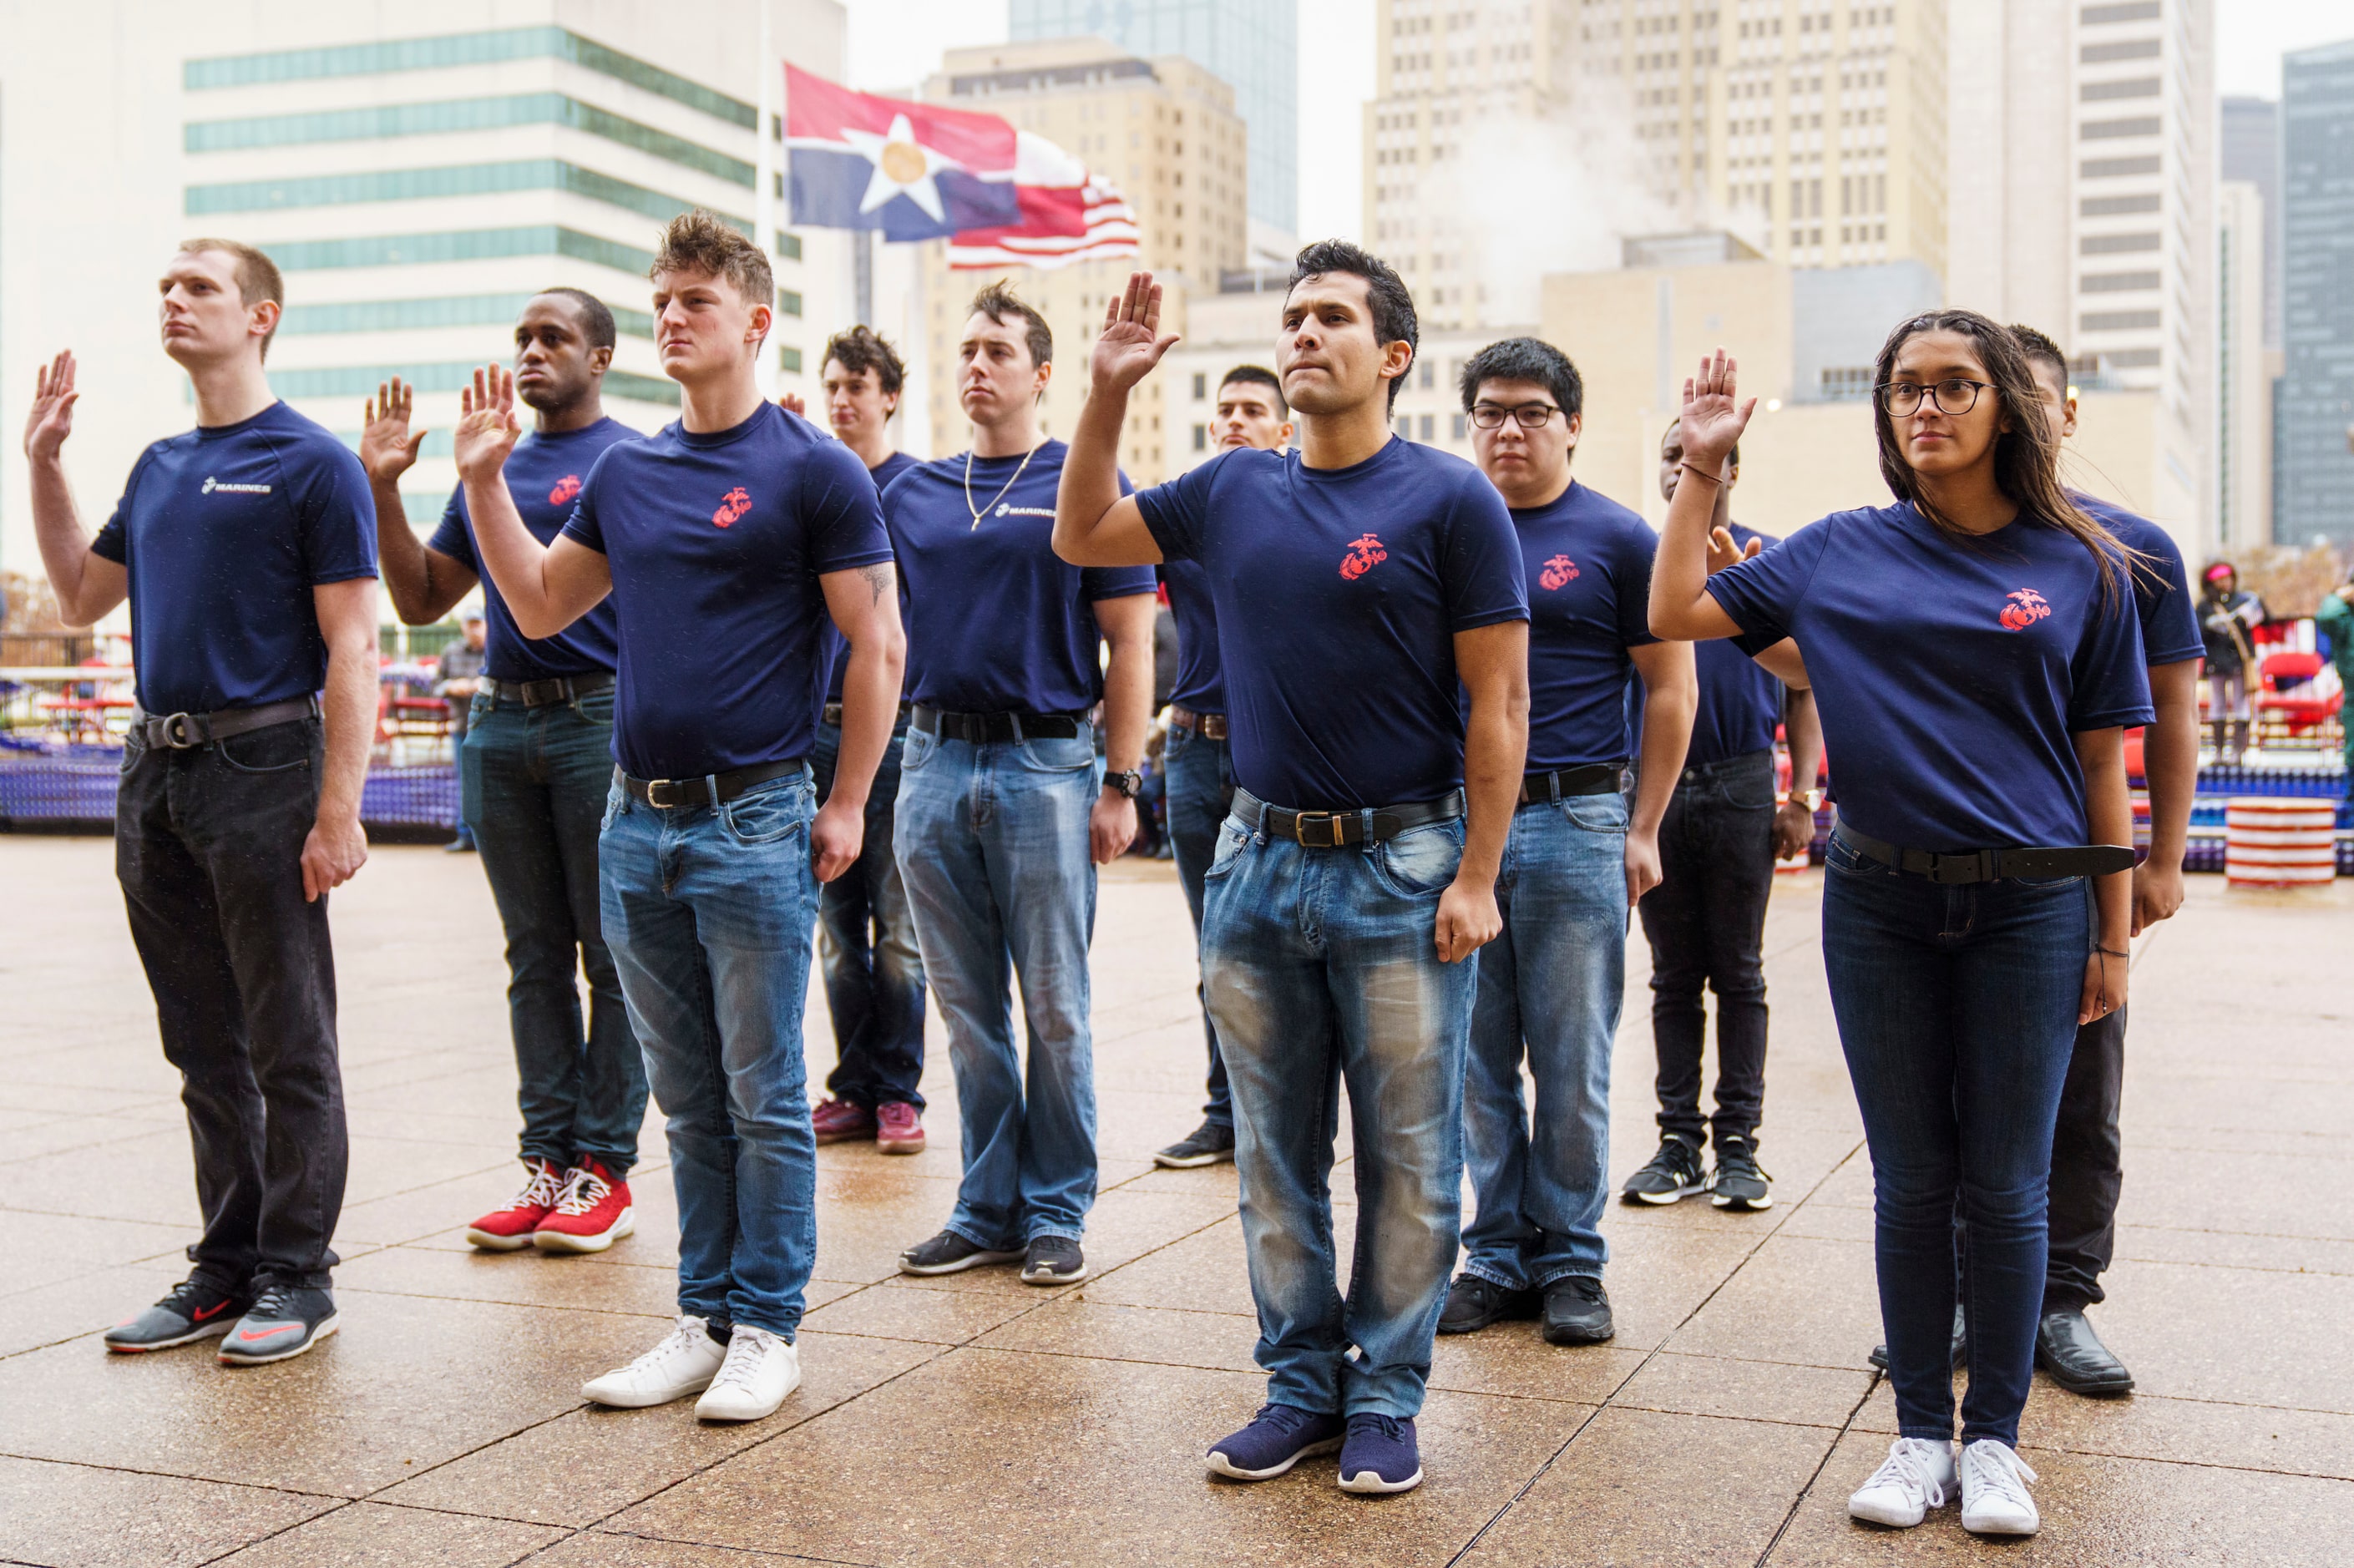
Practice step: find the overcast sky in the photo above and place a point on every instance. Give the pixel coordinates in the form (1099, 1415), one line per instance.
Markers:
(896, 43)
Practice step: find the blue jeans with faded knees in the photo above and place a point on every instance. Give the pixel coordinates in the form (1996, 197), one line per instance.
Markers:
(708, 911)
(1200, 791)
(1956, 1008)
(866, 947)
(1549, 989)
(1321, 964)
(993, 846)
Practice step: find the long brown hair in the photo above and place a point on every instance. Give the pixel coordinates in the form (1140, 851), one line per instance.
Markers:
(2026, 456)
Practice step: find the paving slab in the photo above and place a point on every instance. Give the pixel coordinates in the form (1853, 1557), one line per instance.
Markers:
(79, 1516)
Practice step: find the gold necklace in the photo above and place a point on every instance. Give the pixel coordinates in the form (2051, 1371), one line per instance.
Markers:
(978, 512)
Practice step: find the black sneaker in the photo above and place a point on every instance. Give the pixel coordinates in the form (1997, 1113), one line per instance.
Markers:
(1674, 1172)
(1739, 1183)
(284, 1320)
(196, 1309)
(948, 1253)
(1053, 1260)
(1878, 1357)
(1208, 1144)
(1577, 1311)
(1473, 1303)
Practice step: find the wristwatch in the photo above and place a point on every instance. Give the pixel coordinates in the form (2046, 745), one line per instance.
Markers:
(1813, 800)
(1131, 784)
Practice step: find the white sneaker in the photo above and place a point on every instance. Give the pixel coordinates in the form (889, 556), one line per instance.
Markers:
(1917, 1476)
(1994, 1492)
(684, 1363)
(760, 1370)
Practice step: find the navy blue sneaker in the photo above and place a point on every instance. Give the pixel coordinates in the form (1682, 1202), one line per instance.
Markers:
(1279, 1438)
(1381, 1455)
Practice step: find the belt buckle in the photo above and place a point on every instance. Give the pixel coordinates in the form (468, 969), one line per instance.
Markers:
(1329, 820)
(658, 787)
(178, 734)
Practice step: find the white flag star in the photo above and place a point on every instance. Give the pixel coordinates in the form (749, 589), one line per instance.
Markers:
(903, 166)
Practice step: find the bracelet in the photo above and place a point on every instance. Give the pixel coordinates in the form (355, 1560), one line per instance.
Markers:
(1715, 479)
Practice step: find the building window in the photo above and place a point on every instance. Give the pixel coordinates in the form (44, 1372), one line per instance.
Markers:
(358, 381)
(2117, 321)
(2116, 244)
(789, 246)
(789, 360)
(789, 301)
(1429, 426)
(1458, 428)
(412, 315)
(1201, 385)
(460, 244)
(1201, 432)
(422, 185)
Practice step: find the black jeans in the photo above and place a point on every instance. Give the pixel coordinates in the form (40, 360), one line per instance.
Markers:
(208, 847)
(1706, 923)
(867, 945)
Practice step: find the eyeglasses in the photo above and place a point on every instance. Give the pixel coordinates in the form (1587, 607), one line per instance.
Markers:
(1531, 416)
(1954, 397)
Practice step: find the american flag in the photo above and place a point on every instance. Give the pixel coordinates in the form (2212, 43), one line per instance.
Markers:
(1085, 219)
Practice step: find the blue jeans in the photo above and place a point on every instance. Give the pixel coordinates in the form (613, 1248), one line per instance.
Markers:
(1321, 964)
(1550, 989)
(535, 786)
(866, 945)
(1201, 775)
(708, 911)
(993, 843)
(1957, 1010)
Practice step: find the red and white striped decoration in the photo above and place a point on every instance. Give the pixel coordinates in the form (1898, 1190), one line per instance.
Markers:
(2278, 840)
(1111, 232)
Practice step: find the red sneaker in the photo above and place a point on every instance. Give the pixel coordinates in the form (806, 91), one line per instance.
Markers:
(592, 1214)
(899, 1128)
(839, 1121)
(509, 1229)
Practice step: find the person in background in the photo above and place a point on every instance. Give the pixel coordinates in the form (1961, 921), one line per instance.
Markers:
(455, 682)
(1199, 766)
(2335, 620)
(1706, 919)
(2226, 615)
(867, 936)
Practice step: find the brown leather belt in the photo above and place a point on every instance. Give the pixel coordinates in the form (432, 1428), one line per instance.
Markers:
(188, 732)
(1209, 726)
(1334, 830)
(716, 791)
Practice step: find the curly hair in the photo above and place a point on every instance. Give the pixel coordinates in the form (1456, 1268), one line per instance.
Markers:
(701, 242)
(863, 348)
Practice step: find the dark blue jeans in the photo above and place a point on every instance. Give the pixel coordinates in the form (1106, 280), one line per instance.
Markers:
(535, 784)
(1200, 779)
(866, 945)
(1956, 1008)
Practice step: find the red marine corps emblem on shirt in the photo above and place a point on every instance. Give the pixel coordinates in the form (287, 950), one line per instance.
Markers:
(2026, 607)
(566, 488)
(1364, 555)
(1559, 573)
(734, 505)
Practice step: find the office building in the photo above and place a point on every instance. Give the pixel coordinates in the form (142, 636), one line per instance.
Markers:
(2248, 150)
(1167, 132)
(2314, 431)
(1252, 46)
(2243, 380)
(416, 173)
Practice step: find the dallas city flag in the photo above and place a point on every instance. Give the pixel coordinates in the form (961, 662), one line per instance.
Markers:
(1067, 214)
(913, 170)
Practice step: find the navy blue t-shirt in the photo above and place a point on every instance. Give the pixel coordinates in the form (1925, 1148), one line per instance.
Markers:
(1588, 561)
(1740, 703)
(2170, 615)
(1950, 673)
(999, 622)
(543, 474)
(224, 532)
(716, 542)
(1338, 594)
(836, 646)
(1201, 678)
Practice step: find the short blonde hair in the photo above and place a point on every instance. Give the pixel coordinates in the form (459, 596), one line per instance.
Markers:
(257, 275)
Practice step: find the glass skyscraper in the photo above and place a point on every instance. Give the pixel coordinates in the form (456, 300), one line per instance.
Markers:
(2314, 425)
(1251, 45)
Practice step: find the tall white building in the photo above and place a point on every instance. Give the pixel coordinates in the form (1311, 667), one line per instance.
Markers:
(2244, 382)
(416, 173)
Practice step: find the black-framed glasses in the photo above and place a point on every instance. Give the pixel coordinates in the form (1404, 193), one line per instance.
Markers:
(1954, 396)
(1531, 416)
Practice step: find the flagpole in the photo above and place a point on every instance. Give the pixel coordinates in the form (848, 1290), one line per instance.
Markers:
(764, 185)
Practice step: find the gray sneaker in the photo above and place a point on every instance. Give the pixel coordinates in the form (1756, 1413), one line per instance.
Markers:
(1053, 1260)
(196, 1309)
(285, 1321)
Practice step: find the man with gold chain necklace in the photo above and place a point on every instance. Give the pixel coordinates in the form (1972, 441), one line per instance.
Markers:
(1004, 812)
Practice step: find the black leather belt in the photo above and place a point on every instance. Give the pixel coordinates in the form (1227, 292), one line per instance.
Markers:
(1594, 778)
(1209, 726)
(1334, 830)
(1992, 865)
(831, 713)
(982, 729)
(540, 693)
(186, 732)
(670, 793)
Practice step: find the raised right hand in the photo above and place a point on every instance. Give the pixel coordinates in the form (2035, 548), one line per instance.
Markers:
(51, 420)
(487, 426)
(1131, 343)
(386, 448)
(1712, 420)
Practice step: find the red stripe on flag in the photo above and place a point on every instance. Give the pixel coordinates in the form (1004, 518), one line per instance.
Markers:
(818, 110)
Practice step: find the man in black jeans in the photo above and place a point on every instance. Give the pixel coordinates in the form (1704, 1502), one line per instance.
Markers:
(1706, 920)
(248, 550)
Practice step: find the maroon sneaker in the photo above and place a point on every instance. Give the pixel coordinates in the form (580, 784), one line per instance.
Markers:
(839, 1121)
(593, 1213)
(899, 1128)
(508, 1228)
